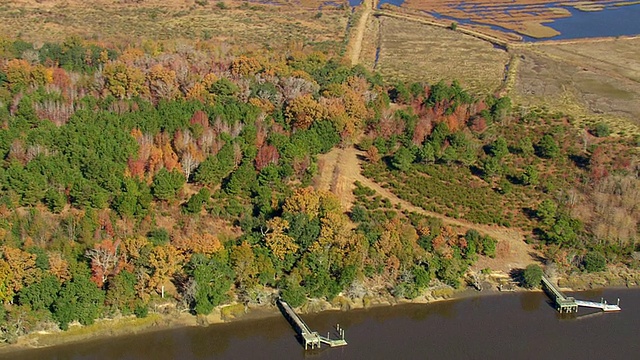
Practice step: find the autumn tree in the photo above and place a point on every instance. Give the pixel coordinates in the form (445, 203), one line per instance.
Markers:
(277, 240)
(304, 200)
(267, 154)
(123, 81)
(18, 74)
(162, 82)
(164, 262)
(17, 269)
(302, 111)
(243, 261)
(245, 66)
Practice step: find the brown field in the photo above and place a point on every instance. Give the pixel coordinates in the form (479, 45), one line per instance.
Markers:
(525, 17)
(597, 80)
(415, 52)
(237, 24)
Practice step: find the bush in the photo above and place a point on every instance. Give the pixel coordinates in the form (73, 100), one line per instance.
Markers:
(594, 262)
(548, 147)
(195, 203)
(532, 276)
(159, 236)
(602, 130)
(141, 310)
(489, 246)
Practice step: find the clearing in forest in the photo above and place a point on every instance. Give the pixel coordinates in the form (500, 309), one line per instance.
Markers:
(345, 169)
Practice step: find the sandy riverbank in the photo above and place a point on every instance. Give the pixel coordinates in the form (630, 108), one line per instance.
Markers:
(107, 328)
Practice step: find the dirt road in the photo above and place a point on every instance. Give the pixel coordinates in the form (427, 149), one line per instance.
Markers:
(356, 41)
(340, 169)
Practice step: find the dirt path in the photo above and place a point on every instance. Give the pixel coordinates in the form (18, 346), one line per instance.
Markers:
(356, 41)
(340, 169)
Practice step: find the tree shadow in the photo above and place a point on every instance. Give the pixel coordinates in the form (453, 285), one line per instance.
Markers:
(580, 161)
(516, 276)
(515, 180)
(487, 149)
(539, 233)
(361, 157)
(537, 257)
(476, 171)
(529, 213)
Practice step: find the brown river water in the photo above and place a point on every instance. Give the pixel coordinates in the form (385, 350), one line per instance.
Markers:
(504, 326)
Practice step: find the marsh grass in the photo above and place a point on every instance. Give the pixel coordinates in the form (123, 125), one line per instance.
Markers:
(415, 52)
(238, 25)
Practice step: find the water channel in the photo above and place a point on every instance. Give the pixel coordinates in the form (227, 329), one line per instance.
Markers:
(504, 326)
(609, 22)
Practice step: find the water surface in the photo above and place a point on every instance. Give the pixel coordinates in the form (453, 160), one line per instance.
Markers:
(512, 326)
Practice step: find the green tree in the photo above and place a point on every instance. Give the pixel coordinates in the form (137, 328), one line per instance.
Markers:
(489, 246)
(166, 184)
(121, 292)
(501, 108)
(526, 147)
(548, 147)
(79, 299)
(55, 200)
(292, 292)
(159, 236)
(40, 295)
(195, 203)
(492, 167)
(499, 148)
(602, 130)
(546, 212)
(427, 153)
(530, 176)
(213, 278)
(215, 168)
(224, 87)
(594, 262)
(532, 276)
(449, 155)
(134, 199)
(402, 159)
(564, 231)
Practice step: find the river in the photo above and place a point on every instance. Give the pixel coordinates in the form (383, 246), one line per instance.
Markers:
(504, 326)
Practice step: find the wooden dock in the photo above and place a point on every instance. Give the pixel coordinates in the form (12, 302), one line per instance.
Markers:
(566, 304)
(310, 339)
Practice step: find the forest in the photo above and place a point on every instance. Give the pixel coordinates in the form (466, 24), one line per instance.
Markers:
(139, 175)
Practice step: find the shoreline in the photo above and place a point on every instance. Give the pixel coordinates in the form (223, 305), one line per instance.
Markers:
(112, 328)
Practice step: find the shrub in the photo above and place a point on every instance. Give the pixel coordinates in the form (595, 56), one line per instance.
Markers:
(159, 236)
(489, 246)
(602, 130)
(532, 276)
(141, 310)
(594, 262)
(548, 148)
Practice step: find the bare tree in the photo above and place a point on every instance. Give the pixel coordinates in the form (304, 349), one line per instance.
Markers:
(189, 163)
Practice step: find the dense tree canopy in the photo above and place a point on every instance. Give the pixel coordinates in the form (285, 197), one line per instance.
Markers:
(137, 177)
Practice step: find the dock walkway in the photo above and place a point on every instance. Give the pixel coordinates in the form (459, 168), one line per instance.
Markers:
(567, 304)
(311, 339)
